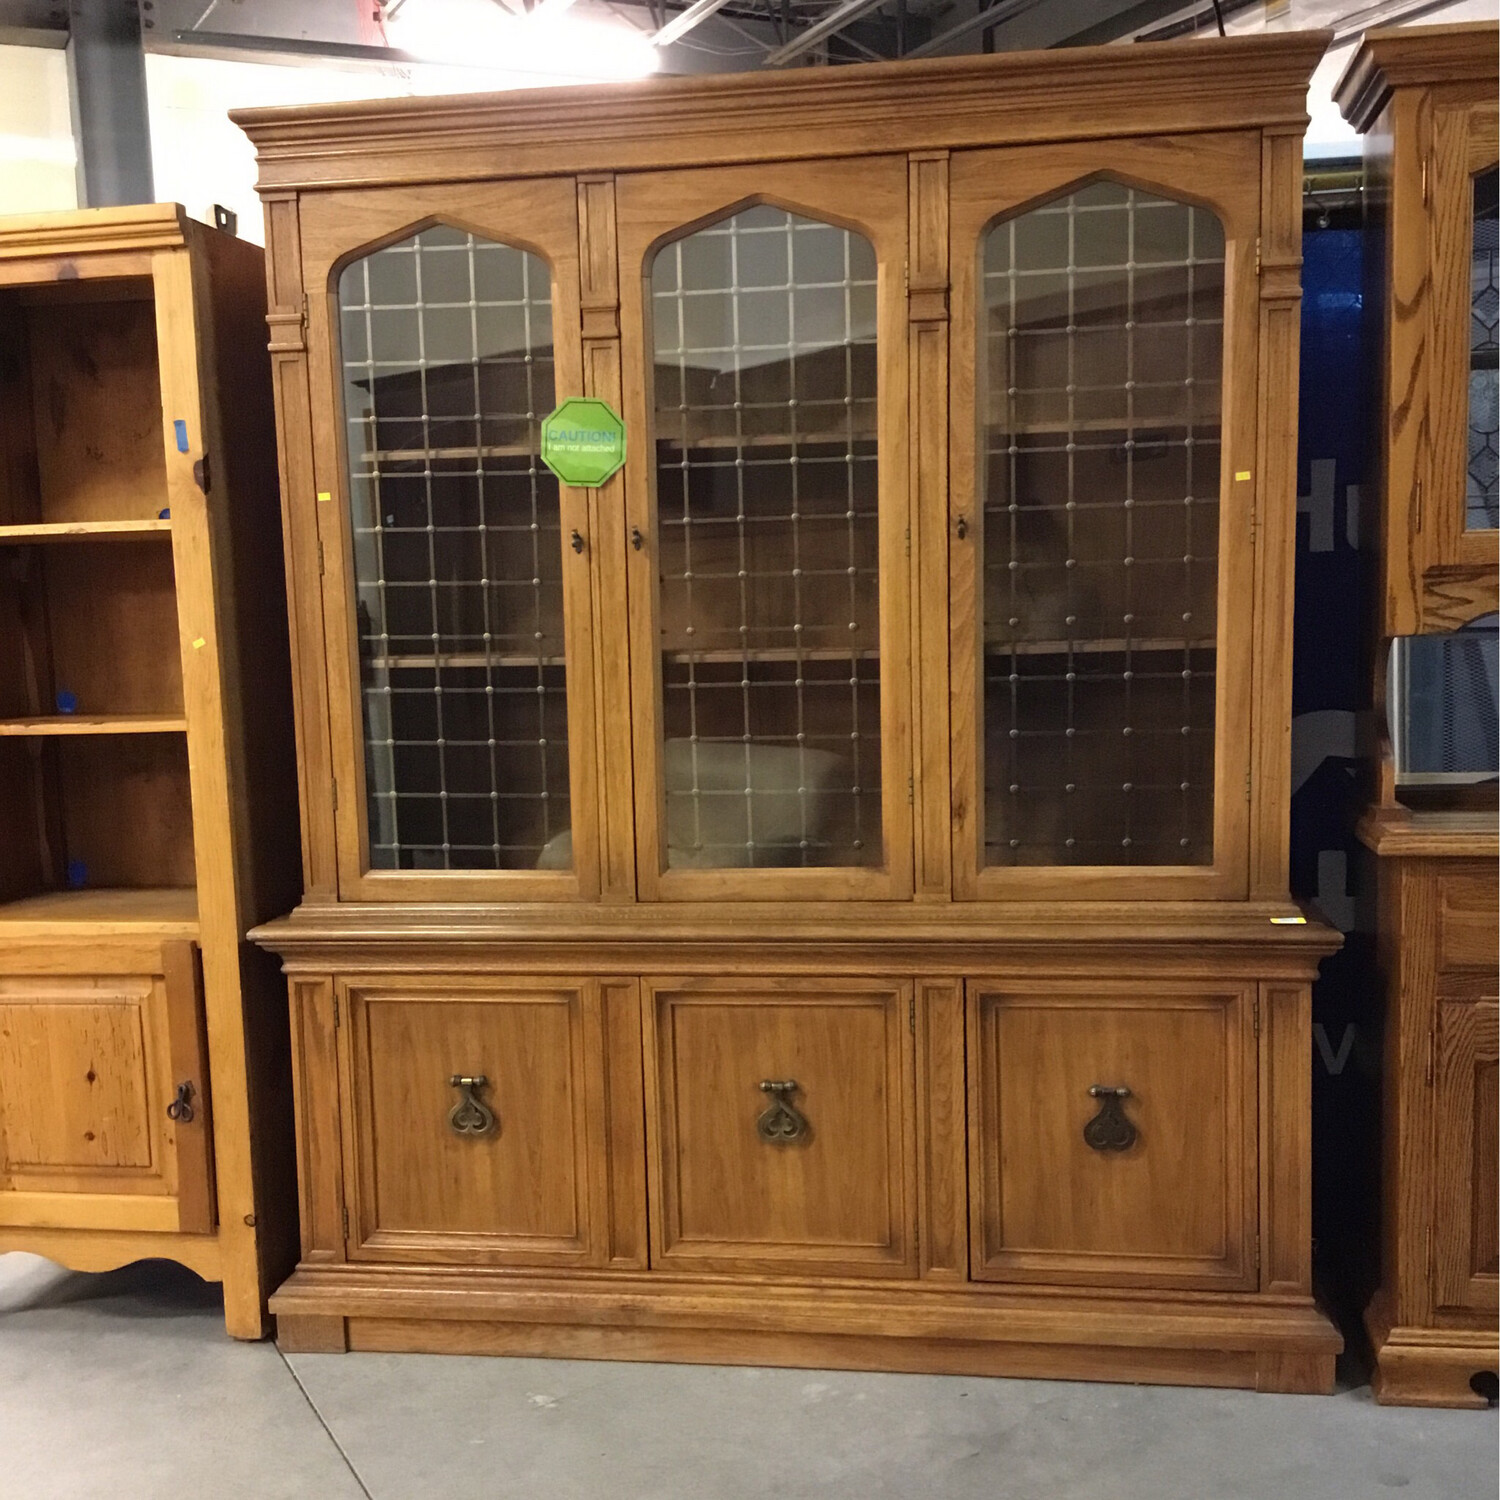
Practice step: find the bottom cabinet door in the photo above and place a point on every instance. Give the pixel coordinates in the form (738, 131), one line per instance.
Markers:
(476, 1134)
(1465, 1239)
(1112, 1133)
(103, 1107)
(781, 1126)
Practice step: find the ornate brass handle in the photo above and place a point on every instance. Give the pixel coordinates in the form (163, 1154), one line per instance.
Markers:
(576, 541)
(782, 1123)
(471, 1115)
(962, 528)
(636, 539)
(181, 1108)
(1110, 1129)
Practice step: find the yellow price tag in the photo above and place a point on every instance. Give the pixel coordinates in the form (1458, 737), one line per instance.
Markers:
(199, 644)
(1290, 921)
(324, 496)
(1242, 475)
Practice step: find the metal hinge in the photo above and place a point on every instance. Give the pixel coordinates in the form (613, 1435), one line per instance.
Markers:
(336, 1021)
(1257, 255)
(1424, 182)
(346, 1221)
(1255, 1014)
(908, 541)
(320, 557)
(1257, 1252)
(911, 1014)
(911, 791)
(1249, 791)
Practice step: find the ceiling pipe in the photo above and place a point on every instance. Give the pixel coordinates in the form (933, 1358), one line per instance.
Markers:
(996, 15)
(835, 20)
(679, 26)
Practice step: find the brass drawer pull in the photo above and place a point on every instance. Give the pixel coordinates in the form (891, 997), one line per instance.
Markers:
(1110, 1129)
(181, 1108)
(782, 1123)
(471, 1115)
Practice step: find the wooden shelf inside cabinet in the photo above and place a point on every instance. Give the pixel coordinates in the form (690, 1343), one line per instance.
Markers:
(678, 654)
(1109, 647)
(457, 659)
(839, 437)
(61, 724)
(168, 912)
(84, 531)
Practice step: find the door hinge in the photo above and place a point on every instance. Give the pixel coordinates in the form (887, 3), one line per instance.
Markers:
(336, 1021)
(1255, 1014)
(908, 541)
(1424, 182)
(911, 1015)
(1257, 255)
(335, 796)
(1257, 1252)
(321, 564)
(1249, 786)
(346, 1221)
(911, 791)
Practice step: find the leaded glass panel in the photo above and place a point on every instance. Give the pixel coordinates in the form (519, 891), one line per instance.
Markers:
(764, 333)
(1482, 498)
(448, 370)
(1099, 387)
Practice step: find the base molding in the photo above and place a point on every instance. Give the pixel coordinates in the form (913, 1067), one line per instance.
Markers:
(108, 1250)
(1187, 1339)
(1430, 1366)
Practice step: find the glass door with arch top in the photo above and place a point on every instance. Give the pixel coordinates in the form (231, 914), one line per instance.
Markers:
(764, 312)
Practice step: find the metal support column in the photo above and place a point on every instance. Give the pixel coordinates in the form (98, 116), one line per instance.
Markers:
(107, 85)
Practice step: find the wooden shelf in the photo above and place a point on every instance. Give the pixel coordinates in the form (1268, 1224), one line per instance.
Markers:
(731, 654)
(427, 455)
(57, 724)
(1093, 648)
(168, 912)
(463, 659)
(84, 531)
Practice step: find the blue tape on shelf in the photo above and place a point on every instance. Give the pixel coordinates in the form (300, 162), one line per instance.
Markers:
(78, 874)
(67, 703)
(180, 427)
(164, 515)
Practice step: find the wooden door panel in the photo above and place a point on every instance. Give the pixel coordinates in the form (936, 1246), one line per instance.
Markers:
(813, 800)
(89, 1064)
(422, 851)
(1465, 1239)
(738, 1182)
(1080, 584)
(508, 1169)
(1155, 1187)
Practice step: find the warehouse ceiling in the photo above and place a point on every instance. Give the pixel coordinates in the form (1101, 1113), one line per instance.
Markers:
(695, 35)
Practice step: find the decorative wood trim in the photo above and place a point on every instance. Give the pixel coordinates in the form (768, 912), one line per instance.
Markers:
(315, 1084)
(1286, 1146)
(942, 1171)
(1414, 56)
(92, 231)
(1085, 93)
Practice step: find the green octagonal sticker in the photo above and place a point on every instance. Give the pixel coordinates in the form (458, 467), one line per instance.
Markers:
(583, 442)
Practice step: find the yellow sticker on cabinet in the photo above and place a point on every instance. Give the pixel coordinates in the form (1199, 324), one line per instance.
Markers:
(199, 644)
(1243, 474)
(324, 496)
(1290, 921)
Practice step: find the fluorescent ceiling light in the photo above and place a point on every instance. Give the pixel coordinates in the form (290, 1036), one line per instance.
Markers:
(549, 41)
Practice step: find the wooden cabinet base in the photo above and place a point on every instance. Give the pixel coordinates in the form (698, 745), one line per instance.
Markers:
(1258, 1345)
(1431, 1366)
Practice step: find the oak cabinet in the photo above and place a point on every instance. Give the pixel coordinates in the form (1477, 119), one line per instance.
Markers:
(932, 632)
(1425, 99)
(1114, 1134)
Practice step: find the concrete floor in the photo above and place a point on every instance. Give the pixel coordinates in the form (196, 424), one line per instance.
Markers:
(124, 1386)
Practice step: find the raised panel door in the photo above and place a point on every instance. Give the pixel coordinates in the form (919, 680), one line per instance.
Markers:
(1466, 1103)
(763, 335)
(478, 1121)
(1103, 410)
(103, 1097)
(1112, 1133)
(781, 1126)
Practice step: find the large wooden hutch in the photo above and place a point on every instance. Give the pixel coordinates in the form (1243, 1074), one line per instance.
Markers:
(1425, 99)
(820, 898)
